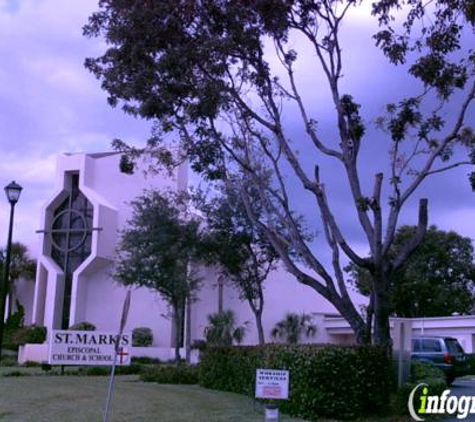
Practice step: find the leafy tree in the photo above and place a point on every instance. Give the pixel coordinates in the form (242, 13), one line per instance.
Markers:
(293, 326)
(222, 330)
(208, 72)
(438, 278)
(21, 266)
(156, 251)
(245, 255)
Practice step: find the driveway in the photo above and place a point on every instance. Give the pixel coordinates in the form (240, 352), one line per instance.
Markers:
(465, 387)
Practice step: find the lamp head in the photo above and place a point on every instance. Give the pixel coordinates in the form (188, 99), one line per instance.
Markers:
(13, 191)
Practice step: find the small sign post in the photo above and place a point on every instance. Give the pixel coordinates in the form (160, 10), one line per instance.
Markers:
(117, 352)
(272, 384)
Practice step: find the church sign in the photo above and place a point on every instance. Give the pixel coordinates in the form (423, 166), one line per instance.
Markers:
(272, 384)
(68, 347)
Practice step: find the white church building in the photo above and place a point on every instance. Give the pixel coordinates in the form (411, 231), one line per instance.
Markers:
(79, 229)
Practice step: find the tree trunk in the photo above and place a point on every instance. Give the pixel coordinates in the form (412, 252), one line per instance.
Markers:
(260, 328)
(220, 293)
(382, 335)
(178, 322)
(357, 324)
(188, 331)
(10, 304)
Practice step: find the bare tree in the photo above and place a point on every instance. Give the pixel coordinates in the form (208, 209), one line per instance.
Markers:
(222, 75)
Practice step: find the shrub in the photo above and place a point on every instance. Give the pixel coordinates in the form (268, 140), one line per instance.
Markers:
(199, 345)
(145, 360)
(9, 361)
(12, 325)
(32, 364)
(83, 326)
(132, 369)
(98, 370)
(33, 334)
(142, 337)
(325, 381)
(169, 374)
(421, 372)
(471, 363)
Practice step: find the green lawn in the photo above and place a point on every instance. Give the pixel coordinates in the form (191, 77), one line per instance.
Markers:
(76, 398)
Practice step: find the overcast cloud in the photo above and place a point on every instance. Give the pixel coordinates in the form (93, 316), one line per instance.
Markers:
(50, 104)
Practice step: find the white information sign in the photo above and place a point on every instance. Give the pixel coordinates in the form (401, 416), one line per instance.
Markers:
(69, 347)
(272, 384)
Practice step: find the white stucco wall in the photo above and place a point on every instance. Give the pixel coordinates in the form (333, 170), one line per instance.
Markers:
(98, 299)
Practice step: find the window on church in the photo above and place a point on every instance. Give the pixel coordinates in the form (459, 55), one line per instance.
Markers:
(71, 238)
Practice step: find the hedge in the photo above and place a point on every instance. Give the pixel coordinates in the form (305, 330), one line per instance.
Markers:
(420, 373)
(181, 374)
(33, 334)
(325, 381)
(471, 363)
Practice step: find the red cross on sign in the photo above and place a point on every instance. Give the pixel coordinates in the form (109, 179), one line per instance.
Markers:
(122, 353)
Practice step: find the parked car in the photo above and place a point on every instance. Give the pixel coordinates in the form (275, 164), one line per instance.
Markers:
(445, 353)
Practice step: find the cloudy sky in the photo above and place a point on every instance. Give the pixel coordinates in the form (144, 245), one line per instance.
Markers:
(50, 104)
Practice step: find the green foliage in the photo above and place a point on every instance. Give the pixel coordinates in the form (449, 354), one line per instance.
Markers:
(32, 334)
(222, 330)
(171, 374)
(291, 328)
(471, 363)
(194, 69)
(145, 360)
(437, 279)
(12, 325)
(9, 361)
(421, 372)
(142, 337)
(325, 381)
(95, 371)
(83, 326)
(157, 248)
(244, 253)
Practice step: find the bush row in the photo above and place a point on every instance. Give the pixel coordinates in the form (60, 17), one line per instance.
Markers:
(168, 374)
(325, 381)
(420, 373)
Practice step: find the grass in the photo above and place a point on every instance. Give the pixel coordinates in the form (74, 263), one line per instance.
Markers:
(76, 399)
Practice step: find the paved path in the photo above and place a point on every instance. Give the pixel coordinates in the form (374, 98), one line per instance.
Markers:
(462, 388)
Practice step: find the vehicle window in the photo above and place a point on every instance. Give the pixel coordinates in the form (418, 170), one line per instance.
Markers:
(453, 346)
(431, 345)
(416, 345)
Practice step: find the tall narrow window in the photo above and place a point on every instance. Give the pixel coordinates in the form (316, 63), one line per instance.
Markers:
(71, 237)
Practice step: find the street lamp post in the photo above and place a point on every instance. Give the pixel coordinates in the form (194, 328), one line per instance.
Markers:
(13, 191)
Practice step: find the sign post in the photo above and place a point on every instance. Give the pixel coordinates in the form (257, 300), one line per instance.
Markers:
(272, 384)
(118, 351)
(86, 348)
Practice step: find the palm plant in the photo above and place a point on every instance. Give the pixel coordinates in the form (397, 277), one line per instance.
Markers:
(222, 330)
(21, 266)
(291, 328)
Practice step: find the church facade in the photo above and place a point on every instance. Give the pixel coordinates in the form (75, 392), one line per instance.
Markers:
(79, 229)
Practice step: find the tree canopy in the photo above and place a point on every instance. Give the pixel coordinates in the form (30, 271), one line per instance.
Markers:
(245, 255)
(157, 250)
(222, 78)
(438, 278)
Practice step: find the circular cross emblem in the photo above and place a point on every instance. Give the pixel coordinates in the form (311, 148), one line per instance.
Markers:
(69, 230)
